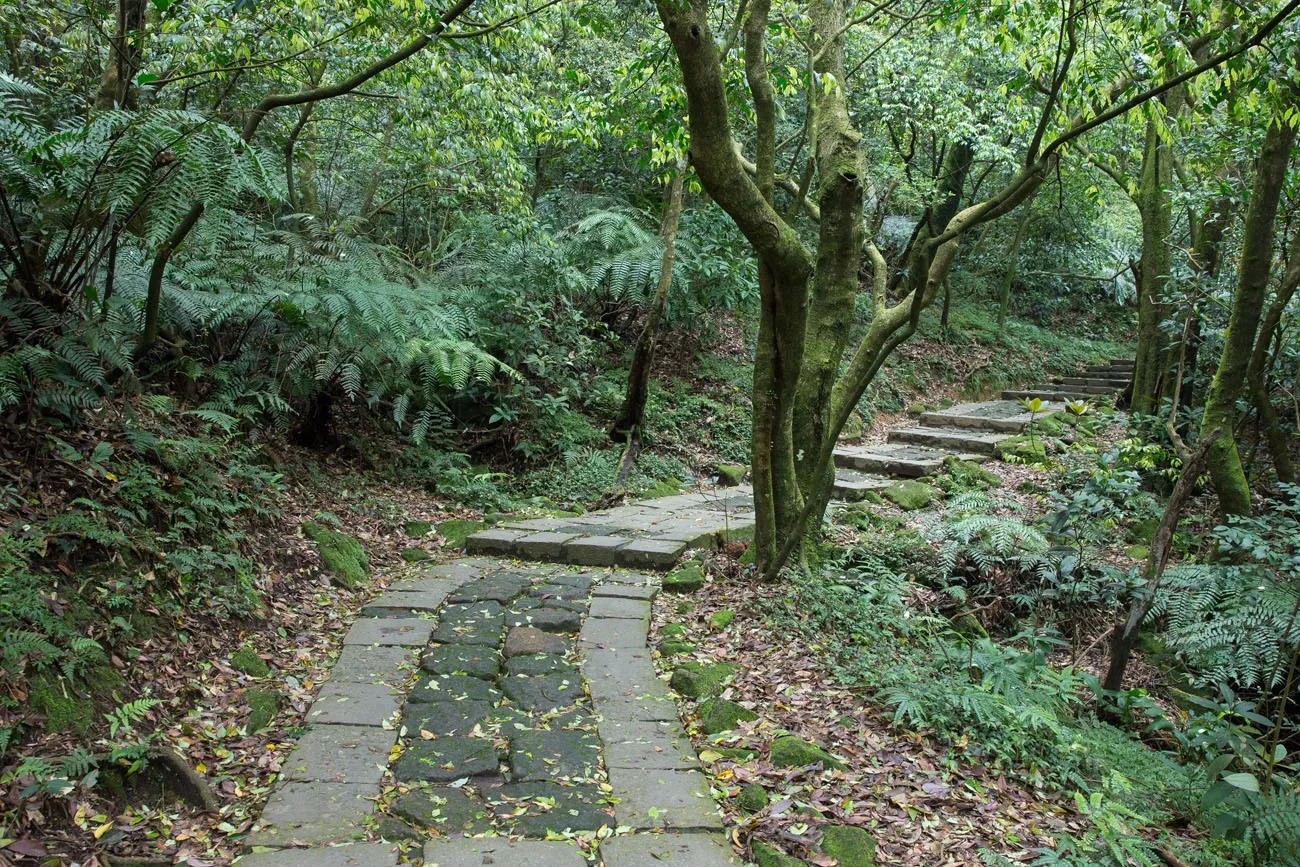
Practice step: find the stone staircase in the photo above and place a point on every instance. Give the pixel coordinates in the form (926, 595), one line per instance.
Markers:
(968, 431)
(1097, 381)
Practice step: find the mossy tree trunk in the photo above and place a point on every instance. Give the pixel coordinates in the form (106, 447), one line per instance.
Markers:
(1261, 362)
(117, 85)
(1229, 380)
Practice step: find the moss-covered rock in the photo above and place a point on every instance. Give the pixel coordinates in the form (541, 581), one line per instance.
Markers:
(849, 845)
(65, 709)
(753, 798)
(456, 532)
(343, 556)
(246, 661)
(418, 529)
(263, 705)
(720, 715)
(1143, 532)
(730, 475)
(959, 475)
(909, 495)
(853, 427)
(415, 555)
(750, 555)
(794, 752)
(1024, 449)
(766, 855)
(663, 488)
(701, 679)
(686, 579)
(720, 620)
(1050, 425)
(1138, 552)
(676, 648)
(736, 754)
(673, 630)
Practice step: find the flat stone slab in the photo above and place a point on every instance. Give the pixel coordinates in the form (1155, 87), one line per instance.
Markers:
(854, 485)
(444, 809)
(353, 855)
(395, 631)
(499, 588)
(646, 744)
(893, 459)
(594, 550)
(538, 809)
(494, 541)
(340, 754)
(443, 760)
(620, 609)
(556, 756)
(413, 600)
(599, 634)
(528, 640)
(314, 814)
(452, 687)
(952, 439)
(373, 664)
(445, 717)
(546, 545)
(994, 415)
(651, 798)
(536, 664)
(501, 853)
(657, 850)
(543, 693)
(474, 660)
(624, 686)
(357, 704)
(547, 619)
(646, 592)
(654, 553)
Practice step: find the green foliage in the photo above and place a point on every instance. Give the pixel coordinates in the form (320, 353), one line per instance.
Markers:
(586, 474)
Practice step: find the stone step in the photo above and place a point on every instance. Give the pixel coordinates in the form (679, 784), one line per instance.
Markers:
(949, 438)
(853, 485)
(998, 416)
(1050, 393)
(1121, 365)
(1093, 381)
(899, 460)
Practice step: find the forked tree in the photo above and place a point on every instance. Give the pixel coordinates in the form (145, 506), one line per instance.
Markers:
(809, 371)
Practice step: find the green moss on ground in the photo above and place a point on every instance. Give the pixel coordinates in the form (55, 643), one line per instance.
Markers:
(456, 532)
(719, 715)
(753, 798)
(246, 660)
(766, 855)
(263, 705)
(702, 680)
(720, 620)
(686, 579)
(909, 495)
(793, 752)
(417, 529)
(1024, 449)
(344, 557)
(65, 710)
(415, 555)
(849, 845)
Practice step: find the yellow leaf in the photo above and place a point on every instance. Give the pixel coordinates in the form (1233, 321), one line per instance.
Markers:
(110, 477)
(201, 768)
(102, 830)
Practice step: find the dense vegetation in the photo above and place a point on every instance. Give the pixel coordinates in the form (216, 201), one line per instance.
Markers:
(282, 268)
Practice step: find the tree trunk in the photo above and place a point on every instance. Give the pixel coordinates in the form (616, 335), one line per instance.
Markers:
(1155, 209)
(1125, 636)
(1226, 388)
(1257, 375)
(627, 427)
(1013, 260)
(117, 88)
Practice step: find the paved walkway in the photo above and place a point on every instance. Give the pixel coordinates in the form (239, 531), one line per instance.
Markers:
(535, 716)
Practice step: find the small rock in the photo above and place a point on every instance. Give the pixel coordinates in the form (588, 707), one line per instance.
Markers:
(850, 845)
(418, 529)
(673, 630)
(720, 620)
(770, 856)
(792, 752)
(263, 705)
(444, 809)
(753, 798)
(415, 555)
(528, 640)
(343, 556)
(720, 715)
(674, 648)
(701, 680)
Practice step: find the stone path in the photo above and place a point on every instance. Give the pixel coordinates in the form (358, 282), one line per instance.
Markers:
(650, 534)
(485, 697)
(968, 432)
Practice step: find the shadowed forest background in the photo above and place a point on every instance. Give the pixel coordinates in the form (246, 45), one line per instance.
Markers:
(295, 294)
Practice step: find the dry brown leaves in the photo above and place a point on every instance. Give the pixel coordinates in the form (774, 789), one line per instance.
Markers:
(924, 804)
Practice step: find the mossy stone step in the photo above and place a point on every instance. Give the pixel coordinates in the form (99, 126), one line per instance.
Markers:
(1050, 393)
(955, 439)
(1002, 416)
(894, 459)
(853, 485)
(1113, 383)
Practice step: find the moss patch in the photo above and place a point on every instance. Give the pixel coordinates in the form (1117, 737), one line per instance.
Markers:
(456, 532)
(720, 715)
(851, 846)
(415, 555)
(701, 680)
(753, 798)
(64, 709)
(959, 475)
(344, 558)
(687, 579)
(770, 856)
(246, 660)
(263, 705)
(417, 529)
(1024, 449)
(720, 620)
(909, 495)
(663, 488)
(792, 752)
(730, 475)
